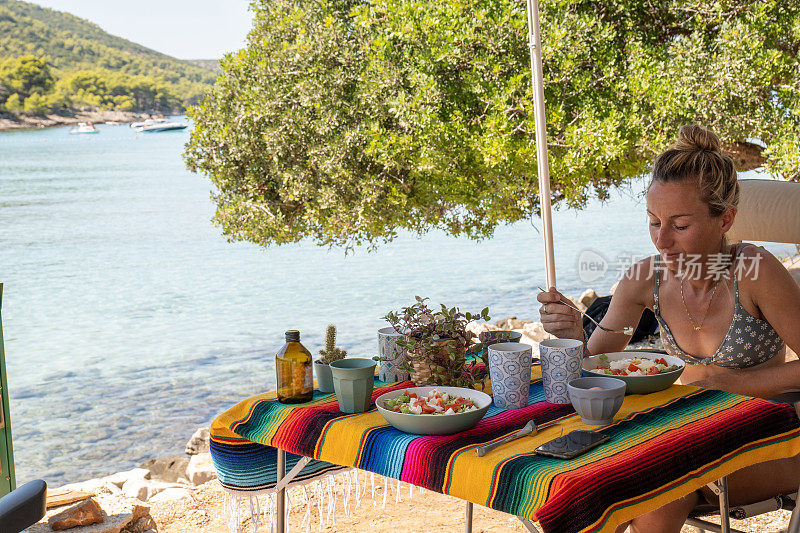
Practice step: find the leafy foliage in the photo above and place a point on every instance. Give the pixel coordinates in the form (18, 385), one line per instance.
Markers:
(437, 341)
(57, 60)
(344, 121)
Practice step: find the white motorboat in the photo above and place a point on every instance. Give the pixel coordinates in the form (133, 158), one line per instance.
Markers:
(163, 126)
(147, 122)
(84, 127)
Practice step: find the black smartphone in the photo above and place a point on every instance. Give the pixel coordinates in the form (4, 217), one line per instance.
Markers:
(572, 444)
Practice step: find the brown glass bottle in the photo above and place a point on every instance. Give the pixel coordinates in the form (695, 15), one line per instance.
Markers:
(294, 370)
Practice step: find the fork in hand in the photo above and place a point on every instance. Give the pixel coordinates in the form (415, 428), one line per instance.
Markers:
(627, 330)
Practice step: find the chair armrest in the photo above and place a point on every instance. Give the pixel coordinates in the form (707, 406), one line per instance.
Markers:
(23, 507)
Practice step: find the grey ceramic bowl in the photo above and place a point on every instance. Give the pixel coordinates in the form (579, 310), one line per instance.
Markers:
(596, 407)
(496, 337)
(638, 384)
(435, 424)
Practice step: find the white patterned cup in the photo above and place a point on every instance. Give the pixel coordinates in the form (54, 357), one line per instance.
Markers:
(561, 362)
(510, 371)
(392, 356)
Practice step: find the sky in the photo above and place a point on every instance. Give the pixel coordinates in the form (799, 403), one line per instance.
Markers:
(186, 29)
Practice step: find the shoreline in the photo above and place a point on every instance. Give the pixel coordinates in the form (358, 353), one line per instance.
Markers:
(10, 122)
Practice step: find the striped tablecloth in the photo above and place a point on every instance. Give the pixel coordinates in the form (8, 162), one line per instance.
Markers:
(663, 446)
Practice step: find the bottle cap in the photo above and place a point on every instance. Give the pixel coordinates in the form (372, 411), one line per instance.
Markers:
(292, 335)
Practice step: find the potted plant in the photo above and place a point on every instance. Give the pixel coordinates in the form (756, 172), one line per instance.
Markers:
(329, 354)
(436, 343)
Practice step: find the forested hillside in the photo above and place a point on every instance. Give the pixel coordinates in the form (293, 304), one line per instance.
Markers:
(51, 61)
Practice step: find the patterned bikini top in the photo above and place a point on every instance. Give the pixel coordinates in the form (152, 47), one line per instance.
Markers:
(750, 341)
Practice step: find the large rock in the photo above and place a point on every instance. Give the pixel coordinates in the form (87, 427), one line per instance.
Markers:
(119, 513)
(169, 469)
(145, 524)
(144, 490)
(476, 328)
(792, 264)
(136, 488)
(120, 478)
(587, 298)
(510, 323)
(198, 443)
(535, 331)
(83, 513)
(200, 469)
(171, 494)
(95, 486)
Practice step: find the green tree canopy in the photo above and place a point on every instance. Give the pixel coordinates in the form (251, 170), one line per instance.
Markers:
(27, 74)
(345, 121)
(70, 62)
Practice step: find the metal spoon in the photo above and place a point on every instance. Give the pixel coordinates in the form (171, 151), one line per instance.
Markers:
(627, 330)
(529, 429)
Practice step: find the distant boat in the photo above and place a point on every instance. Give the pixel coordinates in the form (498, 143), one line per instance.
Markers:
(84, 127)
(147, 122)
(162, 126)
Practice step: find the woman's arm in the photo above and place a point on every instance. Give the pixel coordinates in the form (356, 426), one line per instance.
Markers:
(625, 309)
(766, 382)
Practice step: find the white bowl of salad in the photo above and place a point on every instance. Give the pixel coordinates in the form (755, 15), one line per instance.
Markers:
(433, 410)
(643, 372)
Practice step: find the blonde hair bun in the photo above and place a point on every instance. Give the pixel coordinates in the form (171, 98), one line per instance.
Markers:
(694, 137)
(696, 156)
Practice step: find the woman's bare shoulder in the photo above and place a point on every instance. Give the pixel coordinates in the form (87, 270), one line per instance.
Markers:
(637, 284)
(754, 261)
(642, 271)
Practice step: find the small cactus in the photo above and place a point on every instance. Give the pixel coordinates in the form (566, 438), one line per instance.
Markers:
(331, 353)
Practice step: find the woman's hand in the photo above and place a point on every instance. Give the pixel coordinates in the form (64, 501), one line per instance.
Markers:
(557, 318)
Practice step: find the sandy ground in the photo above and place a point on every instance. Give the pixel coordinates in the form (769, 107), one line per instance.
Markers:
(426, 512)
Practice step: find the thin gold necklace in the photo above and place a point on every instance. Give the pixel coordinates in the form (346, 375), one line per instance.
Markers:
(686, 308)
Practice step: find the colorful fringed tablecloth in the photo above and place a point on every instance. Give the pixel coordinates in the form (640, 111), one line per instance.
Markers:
(663, 446)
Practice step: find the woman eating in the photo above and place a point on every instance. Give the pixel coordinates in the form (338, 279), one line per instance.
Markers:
(728, 311)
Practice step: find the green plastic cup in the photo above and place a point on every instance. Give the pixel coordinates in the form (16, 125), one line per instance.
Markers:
(353, 380)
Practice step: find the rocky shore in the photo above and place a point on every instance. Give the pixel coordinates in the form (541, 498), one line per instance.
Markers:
(19, 122)
(122, 502)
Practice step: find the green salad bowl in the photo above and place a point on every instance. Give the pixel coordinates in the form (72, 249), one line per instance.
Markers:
(637, 384)
(435, 424)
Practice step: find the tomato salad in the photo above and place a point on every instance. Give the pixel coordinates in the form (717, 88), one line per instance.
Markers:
(435, 403)
(634, 367)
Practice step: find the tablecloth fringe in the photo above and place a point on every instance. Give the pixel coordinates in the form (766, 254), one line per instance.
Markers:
(323, 489)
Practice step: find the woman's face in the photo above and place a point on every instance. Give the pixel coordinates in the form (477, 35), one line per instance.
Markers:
(680, 224)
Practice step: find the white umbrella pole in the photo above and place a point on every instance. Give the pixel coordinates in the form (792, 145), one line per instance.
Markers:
(535, 44)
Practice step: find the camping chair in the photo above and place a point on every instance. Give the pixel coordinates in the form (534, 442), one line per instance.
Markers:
(769, 211)
(23, 507)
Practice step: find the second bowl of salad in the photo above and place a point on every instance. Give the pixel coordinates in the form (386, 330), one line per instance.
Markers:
(433, 410)
(643, 372)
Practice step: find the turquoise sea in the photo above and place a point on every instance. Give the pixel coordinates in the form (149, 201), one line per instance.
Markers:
(129, 319)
